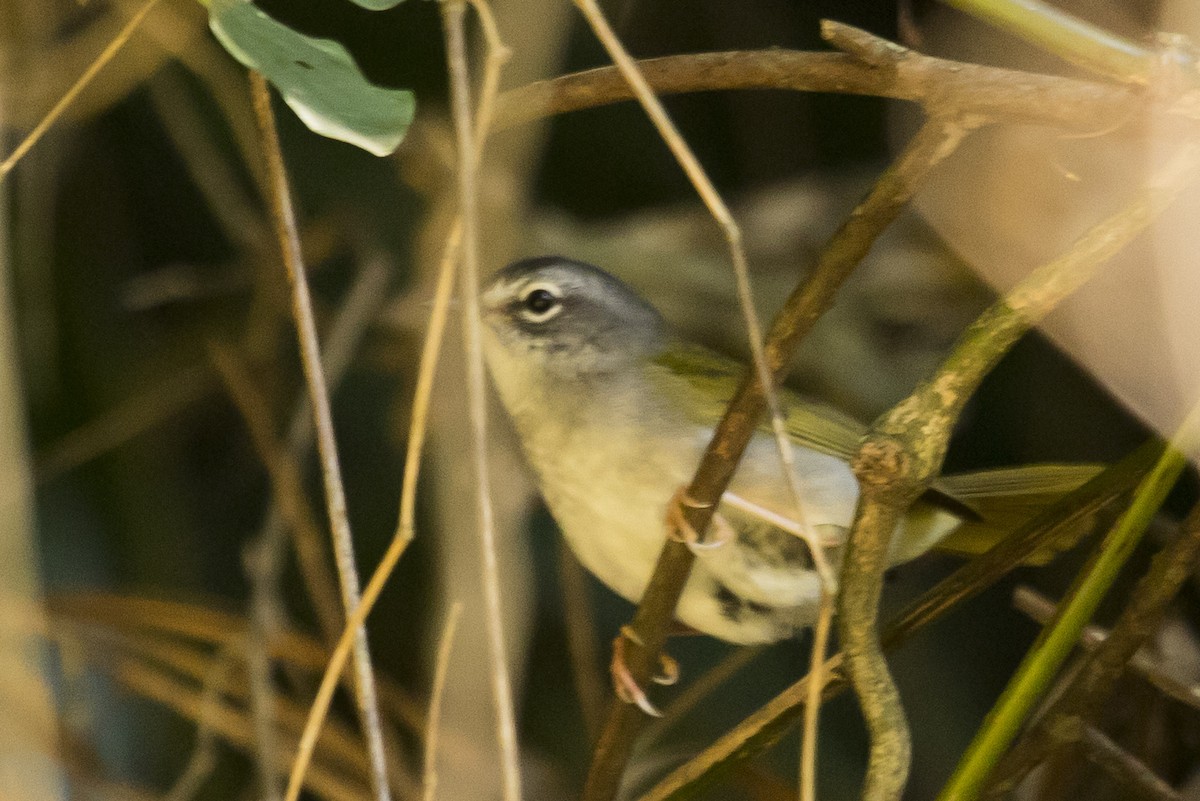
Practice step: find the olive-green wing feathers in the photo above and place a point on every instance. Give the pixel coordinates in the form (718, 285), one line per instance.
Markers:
(991, 503)
(713, 380)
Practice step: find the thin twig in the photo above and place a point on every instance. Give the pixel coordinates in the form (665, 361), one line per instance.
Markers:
(469, 156)
(1083, 698)
(433, 718)
(816, 686)
(351, 324)
(69, 96)
(1135, 779)
(264, 609)
(866, 558)
(287, 486)
(263, 558)
(733, 237)
(291, 513)
(708, 193)
(343, 545)
(1042, 609)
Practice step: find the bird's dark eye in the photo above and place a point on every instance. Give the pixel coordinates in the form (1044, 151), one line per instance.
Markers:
(540, 304)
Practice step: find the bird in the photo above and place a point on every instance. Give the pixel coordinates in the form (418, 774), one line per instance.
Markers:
(613, 411)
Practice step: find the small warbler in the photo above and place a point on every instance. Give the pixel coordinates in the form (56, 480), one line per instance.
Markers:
(613, 413)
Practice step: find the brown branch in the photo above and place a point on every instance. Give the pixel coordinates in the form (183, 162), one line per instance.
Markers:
(881, 505)
(468, 144)
(1067, 717)
(1010, 95)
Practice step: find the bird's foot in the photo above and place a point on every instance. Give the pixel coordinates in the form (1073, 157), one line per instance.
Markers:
(626, 687)
(680, 530)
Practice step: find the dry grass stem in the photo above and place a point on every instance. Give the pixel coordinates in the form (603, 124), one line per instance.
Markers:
(233, 725)
(468, 145)
(264, 555)
(204, 755)
(146, 618)
(343, 545)
(141, 412)
(209, 170)
(287, 485)
(69, 96)
(263, 564)
(353, 320)
(405, 528)
(418, 424)
(435, 335)
(812, 706)
(433, 718)
(112, 626)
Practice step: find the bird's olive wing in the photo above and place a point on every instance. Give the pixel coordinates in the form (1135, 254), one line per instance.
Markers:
(703, 383)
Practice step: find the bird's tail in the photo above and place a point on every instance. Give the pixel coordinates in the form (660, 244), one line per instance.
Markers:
(968, 513)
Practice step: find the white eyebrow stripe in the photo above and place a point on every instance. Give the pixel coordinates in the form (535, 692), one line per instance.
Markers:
(533, 286)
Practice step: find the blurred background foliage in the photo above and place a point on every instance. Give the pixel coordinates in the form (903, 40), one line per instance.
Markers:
(137, 238)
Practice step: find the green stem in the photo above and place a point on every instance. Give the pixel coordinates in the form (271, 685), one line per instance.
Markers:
(1040, 666)
(1066, 36)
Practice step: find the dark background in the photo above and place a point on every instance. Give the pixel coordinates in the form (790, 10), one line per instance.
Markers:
(167, 512)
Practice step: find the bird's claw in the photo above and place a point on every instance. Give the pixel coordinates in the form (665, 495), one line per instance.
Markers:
(670, 671)
(680, 530)
(626, 686)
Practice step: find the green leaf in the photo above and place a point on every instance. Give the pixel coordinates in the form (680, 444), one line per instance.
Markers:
(377, 5)
(317, 78)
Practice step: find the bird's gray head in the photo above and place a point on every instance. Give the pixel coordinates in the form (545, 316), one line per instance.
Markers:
(551, 318)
